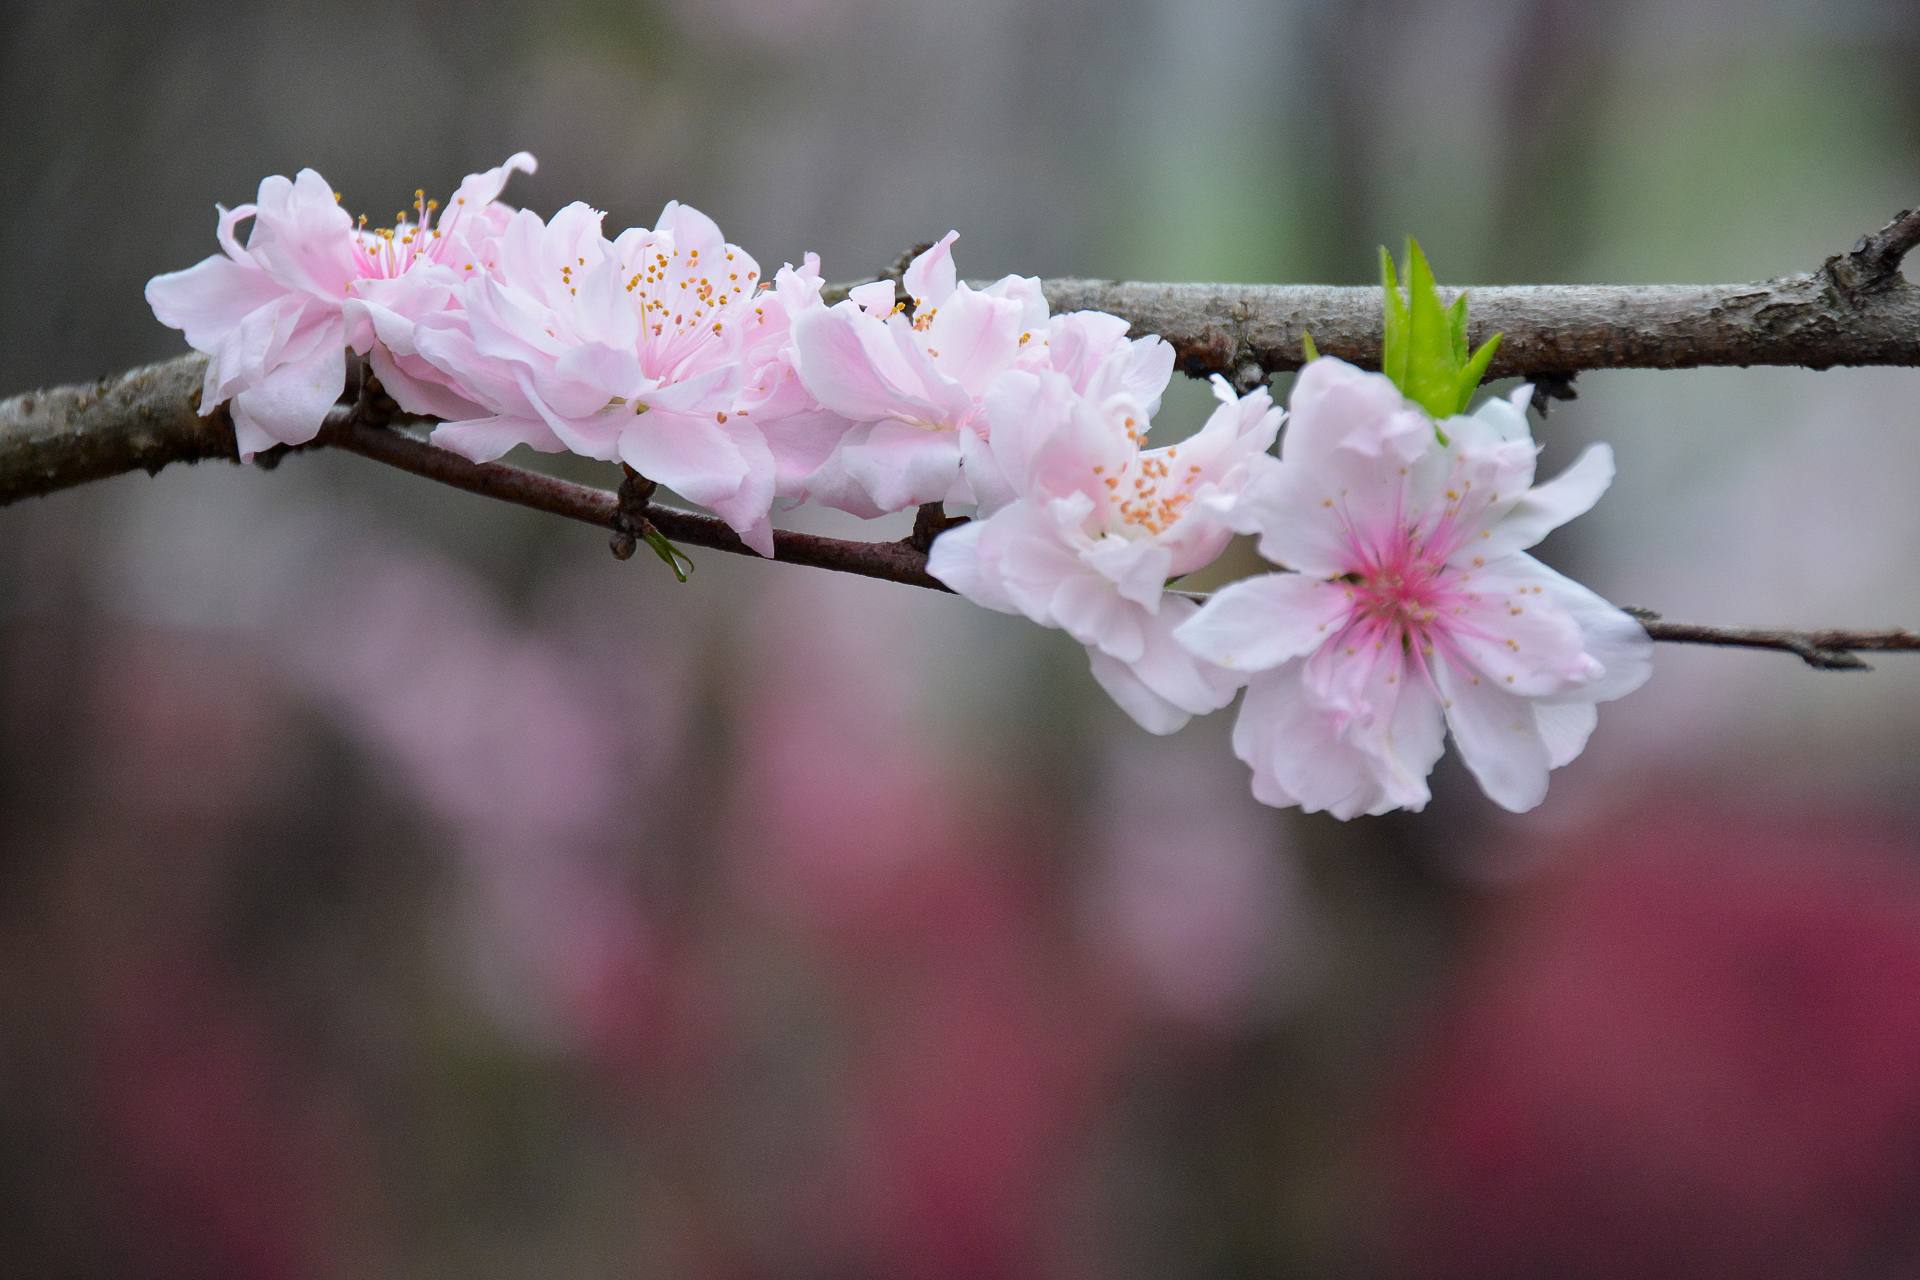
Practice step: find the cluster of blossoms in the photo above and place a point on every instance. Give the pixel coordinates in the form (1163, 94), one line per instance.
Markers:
(1404, 604)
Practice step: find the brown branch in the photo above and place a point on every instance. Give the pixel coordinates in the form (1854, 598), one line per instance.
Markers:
(1855, 310)
(1825, 650)
(1814, 321)
(1875, 261)
(905, 562)
(893, 561)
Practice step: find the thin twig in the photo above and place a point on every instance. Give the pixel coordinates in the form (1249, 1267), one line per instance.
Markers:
(893, 561)
(904, 562)
(1875, 261)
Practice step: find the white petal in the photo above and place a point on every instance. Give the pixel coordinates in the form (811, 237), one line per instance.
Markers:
(1565, 728)
(1518, 637)
(1149, 710)
(1354, 437)
(691, 455)
(208, 301)
(1298, 753)
(1299, 523)
(876, 297)
(1087, 607)
(290, 403)
(976, 337)
(801, 443)
(1612, 638)
(1024, 550)
(1176, 673)
(1546, 507)
(930, 277)
(1137, 570)
(955, 560)
(485, 439)
(1258, 623)
(849, 362)
(1499, 738)
(901, 466)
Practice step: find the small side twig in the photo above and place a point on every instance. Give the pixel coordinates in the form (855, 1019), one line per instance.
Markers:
(1874, 261)
(929, 522)
(630, 522)
(1824, 650)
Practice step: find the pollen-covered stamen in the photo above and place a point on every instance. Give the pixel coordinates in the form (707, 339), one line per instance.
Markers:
(685, 302)
(1151, 491)
(381, 253)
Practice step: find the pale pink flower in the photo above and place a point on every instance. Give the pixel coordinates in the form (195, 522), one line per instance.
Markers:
(800, 433)
(1412, 607)
(660, 349)
(1098, 526)
(914, 386)
(276, 316)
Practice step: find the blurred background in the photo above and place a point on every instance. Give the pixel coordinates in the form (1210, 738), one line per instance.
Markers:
(393, 884)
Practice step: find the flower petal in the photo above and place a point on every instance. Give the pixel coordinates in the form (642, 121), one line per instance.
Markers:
(479, 189)
(1258, 623)
(1499, 737)
(899, 466)
(1175, 672)
(850, 364)
(1298, 750)
(1149, 710)
(1546, 507)
(801, 443)
(288, 405)
(1565, 728)
(485, 439)
(1511, 630)
(688, 453)
(955, 559)
(1299, 524)
(976, 337)
(1610, 636)
(1086, 607)
(208, 300)
(302, 237)
(1138, 569)
(930, 277)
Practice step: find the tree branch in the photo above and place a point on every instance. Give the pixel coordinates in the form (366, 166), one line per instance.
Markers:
(1856, 309)
(904, 562)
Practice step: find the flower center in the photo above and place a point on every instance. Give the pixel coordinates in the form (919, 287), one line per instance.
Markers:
(384, 252)
(1150, 493)
(1404, 593)
(679, 296)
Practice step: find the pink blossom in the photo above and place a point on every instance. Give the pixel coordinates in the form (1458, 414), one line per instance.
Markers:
(1097, 527)
(660, 349)
(1412, 607)
(915, 387)
(276, 316)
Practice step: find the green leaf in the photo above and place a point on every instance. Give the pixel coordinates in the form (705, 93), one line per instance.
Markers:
(1307, 349)
(1457, 326)
(676, 559)
(1475, 370)
(1394, 324)
(1423, 345)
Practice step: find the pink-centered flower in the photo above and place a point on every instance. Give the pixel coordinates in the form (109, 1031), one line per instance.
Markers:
(276, 316)
(1413, 607)
(661, 349)
(1099, 524)
(914, 387)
